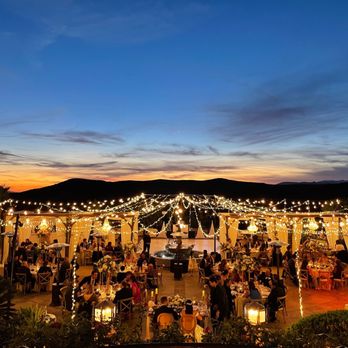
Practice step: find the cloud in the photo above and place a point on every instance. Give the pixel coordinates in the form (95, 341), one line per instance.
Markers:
(57, 164)
(287, 109)
(179, 150)
(130, 22)
(81, 137)
(5, 154)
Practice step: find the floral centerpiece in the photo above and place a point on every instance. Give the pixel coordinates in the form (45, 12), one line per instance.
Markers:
(246, 263)
(107, 265)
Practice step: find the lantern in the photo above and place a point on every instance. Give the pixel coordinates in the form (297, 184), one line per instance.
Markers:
(312, 225)
(252, 228)
(104, 312)
(255, 313)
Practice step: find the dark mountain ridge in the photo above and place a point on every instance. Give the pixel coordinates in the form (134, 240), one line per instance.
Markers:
(84, 189)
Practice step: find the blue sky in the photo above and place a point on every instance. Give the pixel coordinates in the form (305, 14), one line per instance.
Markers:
(115, 90)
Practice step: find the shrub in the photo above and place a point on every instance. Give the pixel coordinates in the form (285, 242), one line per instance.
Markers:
(319, 330)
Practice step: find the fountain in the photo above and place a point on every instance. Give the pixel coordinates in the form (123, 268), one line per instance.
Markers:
(175, 250)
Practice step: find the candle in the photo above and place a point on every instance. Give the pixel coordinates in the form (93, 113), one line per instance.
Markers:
(152, 293)
(156, 291)
(203, 293)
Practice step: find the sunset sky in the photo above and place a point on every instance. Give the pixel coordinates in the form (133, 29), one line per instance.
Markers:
(115, 90)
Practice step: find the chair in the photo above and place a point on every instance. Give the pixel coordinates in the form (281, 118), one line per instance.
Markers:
(281, 301)
(339, 282)
(164, 320)
(125, 307)
(345, 277)
(324, 280)
(88, 257)
(43, 279)
(22, 281)
(188, 325)
(304, 278)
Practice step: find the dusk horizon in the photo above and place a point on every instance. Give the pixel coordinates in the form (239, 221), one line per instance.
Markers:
(147, 90)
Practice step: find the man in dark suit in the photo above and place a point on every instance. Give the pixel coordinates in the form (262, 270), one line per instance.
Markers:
(163, 308)
(92, 279)
(218, 299)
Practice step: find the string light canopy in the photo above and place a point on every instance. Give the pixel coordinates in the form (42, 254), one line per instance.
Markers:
(164, 210)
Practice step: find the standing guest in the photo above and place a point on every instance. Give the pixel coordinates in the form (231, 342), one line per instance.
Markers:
(288, 253)
(151, 276)
(218, 299)
(109, 248)
(141, 261)
(226, 283)
(223, 265)
(338, 269)
(272, 303)
(147, 242)
(84, 244)
(118, 251)
(64, 267)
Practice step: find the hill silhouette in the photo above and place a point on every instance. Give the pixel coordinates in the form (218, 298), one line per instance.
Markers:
(84, 189)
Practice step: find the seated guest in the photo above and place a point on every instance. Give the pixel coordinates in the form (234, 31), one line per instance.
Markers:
(163, 308)
(30, 279)
(265, 278)
(235, 278)
(136, 292)
(121, 275)
(45, 268)
(323, 259)
(254, 294)
(123, 293)
(188, 312)
(92, 279)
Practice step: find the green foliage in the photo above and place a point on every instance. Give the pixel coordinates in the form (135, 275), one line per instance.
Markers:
(172, 334)
(319, 330)
(239, 332)
(127, 332)
(7, 312)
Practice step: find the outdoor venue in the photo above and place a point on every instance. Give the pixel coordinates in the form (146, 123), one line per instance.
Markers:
(159, 240)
